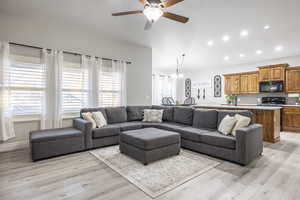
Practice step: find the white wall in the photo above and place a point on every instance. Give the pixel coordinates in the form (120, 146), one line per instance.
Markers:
(208, 74)
(57, 35)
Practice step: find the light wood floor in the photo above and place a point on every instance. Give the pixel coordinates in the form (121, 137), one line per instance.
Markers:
(275, 175)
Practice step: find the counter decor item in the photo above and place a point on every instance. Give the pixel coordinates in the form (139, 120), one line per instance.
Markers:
(297, 100)
(231, 99)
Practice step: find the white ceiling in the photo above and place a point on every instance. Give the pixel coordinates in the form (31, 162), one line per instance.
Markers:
(209, 20)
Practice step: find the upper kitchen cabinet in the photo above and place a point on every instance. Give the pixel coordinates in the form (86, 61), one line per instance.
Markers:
(293, 80)
(272, 72)
(249, 83)
(232, 83)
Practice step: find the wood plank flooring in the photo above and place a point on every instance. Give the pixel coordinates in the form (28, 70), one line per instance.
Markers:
(275, 175)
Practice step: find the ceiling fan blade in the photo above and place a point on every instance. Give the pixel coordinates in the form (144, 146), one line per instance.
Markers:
(143, 2)
(148, 25)
(176, 17)
(170, 3)
(127, 13)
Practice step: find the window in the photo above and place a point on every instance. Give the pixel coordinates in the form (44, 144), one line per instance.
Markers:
(162, 86)
(109, 85)
(74, 84)
(26, 81)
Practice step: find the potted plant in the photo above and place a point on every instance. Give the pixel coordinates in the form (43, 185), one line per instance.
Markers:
(297, 100)
(231, 99)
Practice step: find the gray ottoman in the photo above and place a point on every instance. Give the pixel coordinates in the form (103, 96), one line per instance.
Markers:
(149, 144)
(54, 142)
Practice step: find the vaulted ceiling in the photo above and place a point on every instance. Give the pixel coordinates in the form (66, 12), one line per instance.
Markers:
(209, 20)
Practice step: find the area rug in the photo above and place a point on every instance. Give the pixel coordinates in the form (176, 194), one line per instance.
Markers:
(158, 177)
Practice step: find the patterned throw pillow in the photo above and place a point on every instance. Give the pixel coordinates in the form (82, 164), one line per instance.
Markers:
(99, 119)
(152, 115)
(89, 117)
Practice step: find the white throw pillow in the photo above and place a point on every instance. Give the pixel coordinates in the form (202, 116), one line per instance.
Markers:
(99, 119)
(242, 122)
(227, 125)
(152, 115)
(89, 117)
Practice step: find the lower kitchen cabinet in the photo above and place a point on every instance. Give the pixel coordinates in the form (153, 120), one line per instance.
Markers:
(291, 118)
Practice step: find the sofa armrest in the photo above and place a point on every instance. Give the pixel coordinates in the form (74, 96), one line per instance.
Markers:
(249, 143)
(86, 127)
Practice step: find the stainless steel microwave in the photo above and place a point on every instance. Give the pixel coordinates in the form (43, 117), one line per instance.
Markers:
(271, 86)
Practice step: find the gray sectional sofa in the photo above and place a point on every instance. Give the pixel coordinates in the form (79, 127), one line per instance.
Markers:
(197, 128)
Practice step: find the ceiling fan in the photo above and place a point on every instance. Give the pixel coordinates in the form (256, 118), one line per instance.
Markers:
(154, 9)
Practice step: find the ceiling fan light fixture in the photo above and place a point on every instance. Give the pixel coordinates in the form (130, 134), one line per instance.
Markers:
(153, 13)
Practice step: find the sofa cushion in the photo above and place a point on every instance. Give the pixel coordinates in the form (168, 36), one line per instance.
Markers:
(91, 110)
(223, 113)
(191, 133)
(171, 126)
(217, 139)
(54, 134)
(168, 112)
(116, 115)
(206, 119)
(106, 131)
(149, 138)
(183, 115)
(126, 126)
(136, 113)
(151, 124)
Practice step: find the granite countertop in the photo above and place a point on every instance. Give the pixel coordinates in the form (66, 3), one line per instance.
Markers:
(241, 106)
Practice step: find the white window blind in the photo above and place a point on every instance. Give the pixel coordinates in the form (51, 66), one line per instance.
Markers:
(74, 84)
(109, 85)
(26, 77)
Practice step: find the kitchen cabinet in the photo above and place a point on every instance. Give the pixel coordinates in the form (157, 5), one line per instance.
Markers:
(272, 72)
(291, 118)
(242, 83)
(293, 80)
(232, 84)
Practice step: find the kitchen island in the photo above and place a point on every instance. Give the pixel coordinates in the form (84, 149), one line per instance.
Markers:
(268, 116)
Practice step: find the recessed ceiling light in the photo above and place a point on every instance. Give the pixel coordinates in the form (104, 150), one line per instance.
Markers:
(210, 43)
(244, 33)
(267, 27)
(226, 58)
(242, 55)
(258, 52)
(278, 48)
(225, 38)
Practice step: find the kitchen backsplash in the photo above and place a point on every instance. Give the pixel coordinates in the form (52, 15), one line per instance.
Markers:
(252, 98)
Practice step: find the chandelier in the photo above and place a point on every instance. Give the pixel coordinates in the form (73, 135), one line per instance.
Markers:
(178, 74)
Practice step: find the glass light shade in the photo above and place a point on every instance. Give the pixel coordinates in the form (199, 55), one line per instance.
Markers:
(153, 13)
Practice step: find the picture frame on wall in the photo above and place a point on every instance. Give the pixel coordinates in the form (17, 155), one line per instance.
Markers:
(217, 86)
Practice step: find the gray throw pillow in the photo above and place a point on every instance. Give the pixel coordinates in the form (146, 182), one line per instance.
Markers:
(116, 115)
(167, 113)
(183, 115)
(204, 118)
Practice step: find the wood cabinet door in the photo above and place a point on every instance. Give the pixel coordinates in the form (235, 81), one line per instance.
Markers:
(291, 119)
(244, 84)
(227, 86)
(265, 74)
(235, 84)
(277, 73)
(293, 80)
(253, 83)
